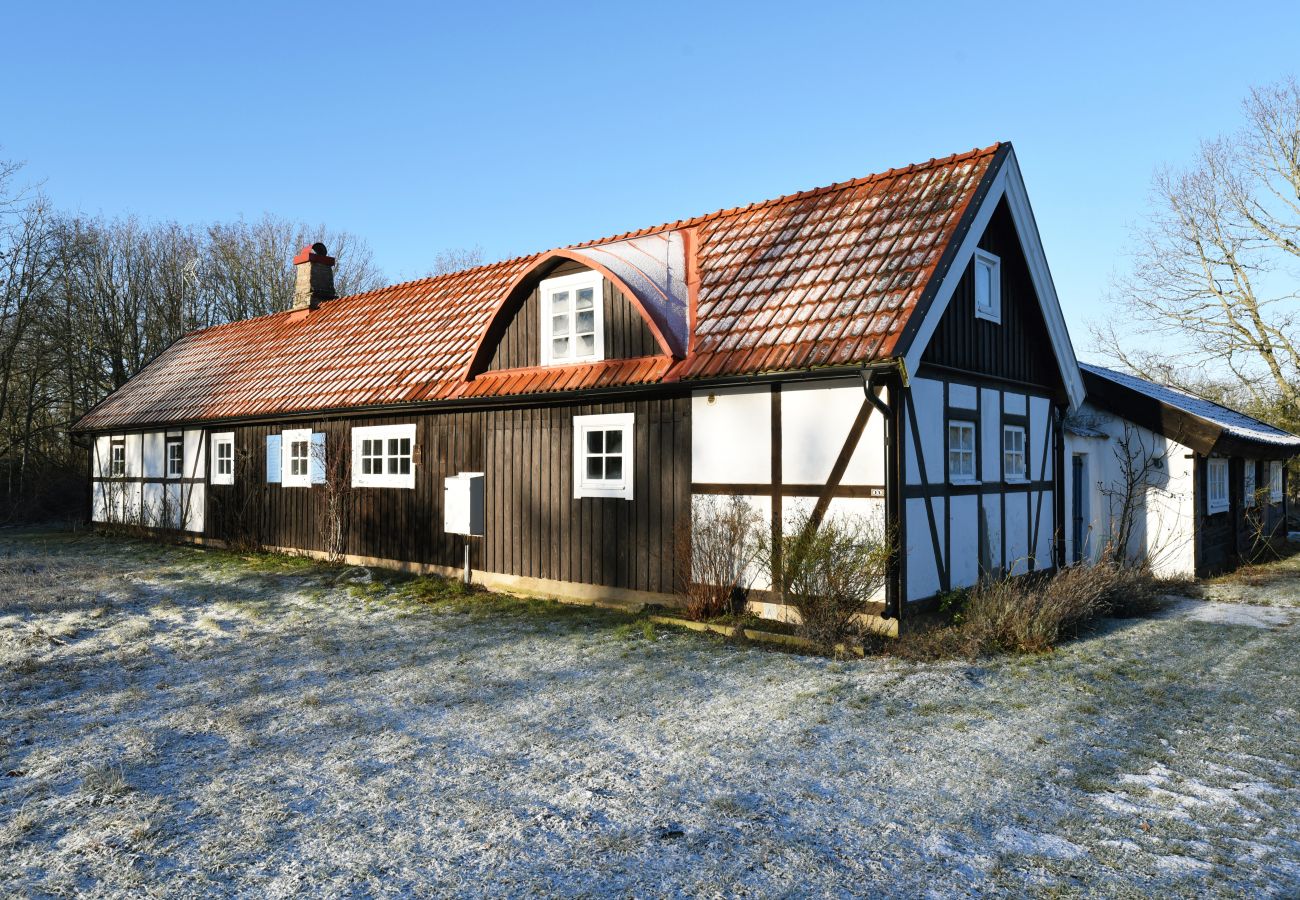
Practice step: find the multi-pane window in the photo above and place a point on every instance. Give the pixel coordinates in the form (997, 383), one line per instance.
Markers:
(961, 451)
(1217, 485)
(1275, 481)
(300, 458)
(117, 460)
(223, 458)
(988, 286)
(603, 455)
(384, 456)
(1013, 453)
(175, 458)
(571, 311)
(1248, 481)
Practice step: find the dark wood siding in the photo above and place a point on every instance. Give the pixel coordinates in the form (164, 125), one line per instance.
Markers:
(1018, 348)
(1225, 540)
(534, 526)
(626, 333)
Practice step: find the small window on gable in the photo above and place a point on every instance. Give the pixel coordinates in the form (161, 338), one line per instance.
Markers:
(1248, 481)
(223, 458)
(1013, 453)
(1216, 485)
(383, 456)
(117, 459)
(602, 456)
(988, 286)
(572, 319)
(175, 457)
(961, 451)
(1275, 481)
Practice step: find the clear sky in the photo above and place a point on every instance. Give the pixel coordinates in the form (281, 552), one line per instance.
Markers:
(519, 128)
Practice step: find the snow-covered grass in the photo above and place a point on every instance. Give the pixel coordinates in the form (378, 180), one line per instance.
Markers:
(180, 722)
(1271, 582)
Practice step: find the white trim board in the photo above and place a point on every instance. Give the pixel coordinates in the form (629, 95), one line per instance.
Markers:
(1007, 183)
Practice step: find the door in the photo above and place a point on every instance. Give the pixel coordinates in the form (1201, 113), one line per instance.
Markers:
(1077, 481)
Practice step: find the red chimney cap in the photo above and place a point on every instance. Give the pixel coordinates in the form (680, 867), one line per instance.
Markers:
(315, 253)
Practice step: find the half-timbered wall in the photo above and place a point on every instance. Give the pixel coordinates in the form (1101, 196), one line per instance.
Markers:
(143, 494)
(534, 527)
(788, 448)
(626, 333)
(956, 531)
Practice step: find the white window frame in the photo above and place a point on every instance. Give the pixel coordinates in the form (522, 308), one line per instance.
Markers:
(170, 441)
(223, 440)
(1275, 481)
(384, 434)
(1216, 485)
(289, 439)
(1248, 481)
(620, 488)
(1008, 455)
(116, 465)
(991, 310)
(955, 476)
(572, 284)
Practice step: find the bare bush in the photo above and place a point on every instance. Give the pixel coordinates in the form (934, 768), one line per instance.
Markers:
(716, 555)
(831, 571)
(332, 510)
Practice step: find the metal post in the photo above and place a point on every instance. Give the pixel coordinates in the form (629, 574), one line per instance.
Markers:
(466, 561)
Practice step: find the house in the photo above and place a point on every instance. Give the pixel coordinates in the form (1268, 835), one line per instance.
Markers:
(1204, 485)
(890, 346)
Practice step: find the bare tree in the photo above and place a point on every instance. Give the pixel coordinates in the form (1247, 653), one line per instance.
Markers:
(1215, 270)
(455, 259)
(1139, 470)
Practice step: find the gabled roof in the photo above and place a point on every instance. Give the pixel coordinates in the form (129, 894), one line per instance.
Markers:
(826, 277)
(1204, 426)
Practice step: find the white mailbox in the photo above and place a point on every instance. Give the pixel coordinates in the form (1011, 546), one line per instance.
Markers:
(462, 503)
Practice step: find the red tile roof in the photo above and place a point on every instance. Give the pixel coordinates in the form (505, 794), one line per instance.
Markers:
(821, 278)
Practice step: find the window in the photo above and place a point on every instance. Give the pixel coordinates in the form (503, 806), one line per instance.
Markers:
(988, 286)
(1248, 481)
(1275, 482)
(572, 314)
(1217, 485)
(1013, 453)
(961, 451)
(117, 459)
(602, 456)
(223, 458)
(303, 462)
(175, 457)
(384, 456)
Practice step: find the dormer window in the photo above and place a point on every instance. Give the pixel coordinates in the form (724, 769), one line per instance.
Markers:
(988, 287)
(572, 319)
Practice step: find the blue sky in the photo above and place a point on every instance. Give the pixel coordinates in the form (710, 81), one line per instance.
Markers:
(519, 128)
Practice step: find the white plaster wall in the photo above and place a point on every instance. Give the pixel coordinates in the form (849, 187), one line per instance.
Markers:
(927, 407)
(193, 508)
(102, 444)
(990, 437)
(155, 444)
(1165, 532)
(991, 510)
(731, 436)
(963, 519)
(195, 451)
(1017, 532)
(815, 420)
(134, 454)
(963, 396)
(922, 573)
(1040, 431)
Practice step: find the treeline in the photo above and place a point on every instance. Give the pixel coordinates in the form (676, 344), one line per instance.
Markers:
(86, 302)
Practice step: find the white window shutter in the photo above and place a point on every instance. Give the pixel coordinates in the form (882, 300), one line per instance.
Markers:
(273, 461)
(317, 458)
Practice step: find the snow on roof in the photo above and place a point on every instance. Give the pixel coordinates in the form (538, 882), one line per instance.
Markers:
(1235, 423)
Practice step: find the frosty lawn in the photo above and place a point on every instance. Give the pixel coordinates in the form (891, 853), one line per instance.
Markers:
(189, 722)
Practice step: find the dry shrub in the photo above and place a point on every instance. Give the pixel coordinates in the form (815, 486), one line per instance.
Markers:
(1033, 613)
(831, 571)
(715, 556)
(1029, 613)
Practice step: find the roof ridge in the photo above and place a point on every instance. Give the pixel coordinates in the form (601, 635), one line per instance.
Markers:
(1186, 393)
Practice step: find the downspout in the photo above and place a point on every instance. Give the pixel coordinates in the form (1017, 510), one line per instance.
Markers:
(872, 379)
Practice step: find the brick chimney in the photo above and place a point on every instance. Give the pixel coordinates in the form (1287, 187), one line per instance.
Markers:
(313, 277)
